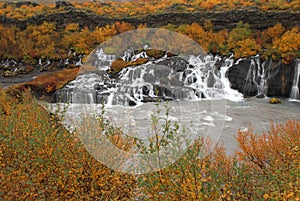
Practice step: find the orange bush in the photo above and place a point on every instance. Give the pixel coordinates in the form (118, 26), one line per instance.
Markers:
(274, 157)
(41, 160)
(50, 82)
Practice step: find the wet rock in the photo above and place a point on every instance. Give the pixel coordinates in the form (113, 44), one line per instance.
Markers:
(160, 93)
(149, 78)
(260, 96)
(176, 63)
(237, 76)
(211, 80)
(278, 76)
(175, 80)
(100, 88)
(281, 79)
(161, 71)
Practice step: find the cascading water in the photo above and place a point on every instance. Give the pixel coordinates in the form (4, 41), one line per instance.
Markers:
(295, 88)
(230, 94)
(167, 78)
(257, 76)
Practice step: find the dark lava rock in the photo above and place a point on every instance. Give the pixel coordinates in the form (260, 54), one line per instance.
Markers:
(63, 4)
(237, 76)
(260, 96)
(281, 79)
(176, 63)
(257, 19)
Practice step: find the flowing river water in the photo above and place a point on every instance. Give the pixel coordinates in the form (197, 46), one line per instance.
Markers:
(218, 120)
(193, 92)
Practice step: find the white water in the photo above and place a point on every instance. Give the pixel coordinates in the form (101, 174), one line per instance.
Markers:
(295, 88)
(211, 82)
(199, 94)
(198, 78)
(257, 77)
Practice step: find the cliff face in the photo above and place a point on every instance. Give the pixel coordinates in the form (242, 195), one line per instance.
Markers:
(253, 77)
(256, 18)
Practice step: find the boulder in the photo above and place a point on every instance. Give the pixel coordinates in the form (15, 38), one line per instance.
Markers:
(176, 63)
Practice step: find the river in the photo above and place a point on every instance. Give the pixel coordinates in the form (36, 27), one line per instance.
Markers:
(218, 120)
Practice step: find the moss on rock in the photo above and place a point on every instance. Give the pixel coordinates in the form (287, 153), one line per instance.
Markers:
(156, 54)
(275, 101)
(119, 64)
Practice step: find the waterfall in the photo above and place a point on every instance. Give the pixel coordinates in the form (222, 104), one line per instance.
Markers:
(230, 94)
(251, 84)
(210, 80)
(295, 88)
(174, 78)
(257, 76)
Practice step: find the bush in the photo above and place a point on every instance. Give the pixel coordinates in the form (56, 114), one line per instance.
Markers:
(266, 167)
(41, 160)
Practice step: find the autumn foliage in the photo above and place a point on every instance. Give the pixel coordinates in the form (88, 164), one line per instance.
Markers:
(273, 158)
(50, 82)
(265, 168)
(45, 42)
(40, 159)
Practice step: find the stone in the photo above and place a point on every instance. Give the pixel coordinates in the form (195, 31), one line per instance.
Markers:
(176, 63)
(260, 96)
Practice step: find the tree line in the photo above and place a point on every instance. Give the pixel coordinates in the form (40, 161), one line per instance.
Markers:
(46, 42)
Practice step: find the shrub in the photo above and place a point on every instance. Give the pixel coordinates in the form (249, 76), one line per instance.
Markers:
(41, 160)
(266, 167)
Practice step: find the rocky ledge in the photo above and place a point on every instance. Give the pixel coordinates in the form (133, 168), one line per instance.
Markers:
(253, 77)
(257, 19)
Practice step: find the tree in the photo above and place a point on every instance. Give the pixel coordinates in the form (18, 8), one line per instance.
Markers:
(288, 45)
(9, 43)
